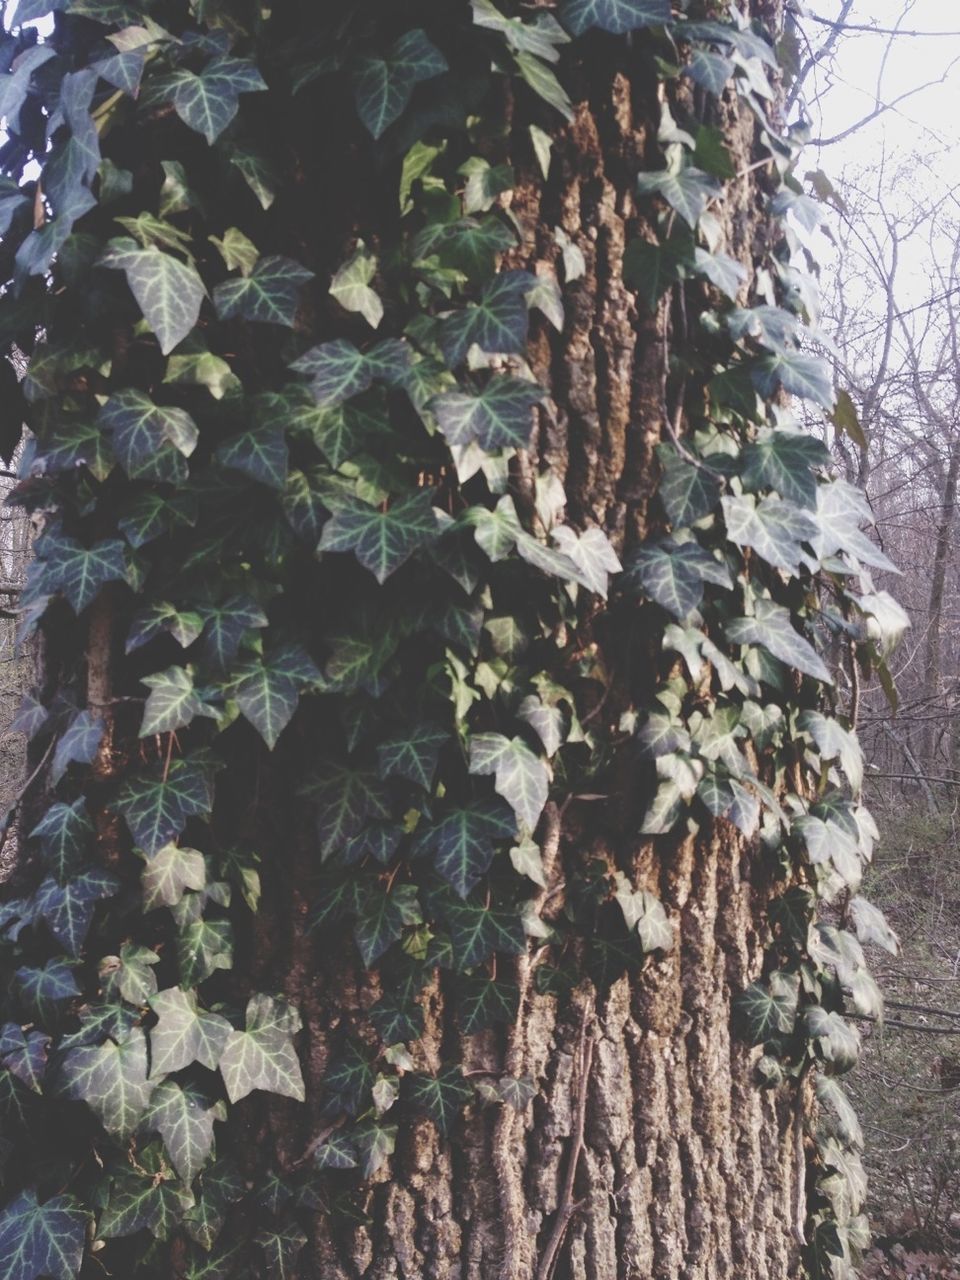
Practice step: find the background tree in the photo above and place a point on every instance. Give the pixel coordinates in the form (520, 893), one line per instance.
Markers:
(365, 346)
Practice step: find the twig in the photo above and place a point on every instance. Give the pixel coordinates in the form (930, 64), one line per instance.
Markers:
(568, 1206)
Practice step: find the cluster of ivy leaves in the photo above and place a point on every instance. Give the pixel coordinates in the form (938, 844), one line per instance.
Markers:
(288, 485)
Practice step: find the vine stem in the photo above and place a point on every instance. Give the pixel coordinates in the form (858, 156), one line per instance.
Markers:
(568, 1206)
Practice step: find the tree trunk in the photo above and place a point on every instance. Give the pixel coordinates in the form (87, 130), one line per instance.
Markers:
(649, 1152)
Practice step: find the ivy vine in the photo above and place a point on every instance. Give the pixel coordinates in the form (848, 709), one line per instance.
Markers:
(290, 490)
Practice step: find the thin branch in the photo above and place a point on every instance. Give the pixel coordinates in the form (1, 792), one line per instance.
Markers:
(868, 29)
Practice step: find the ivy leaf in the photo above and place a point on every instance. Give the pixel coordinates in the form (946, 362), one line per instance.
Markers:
(337, 371)
(42, 1240)
(412, 755)
(766, 1012)
(805, 376)
(268, 696)
(184, 1033)
(871, 925)
(225, 626)
(79, 744)
(208, 102)
(835, 743)
(520, 776)
(261, 454)
(25, 1056)
(463, 843)
(837, 1040)
(79, 444)
(172, 703)
(772, 628)
(79, 572)
(477, 932)
(112, 1080)
(644, 913)
(337, 1152)
(203, 946)
(590, 553)
(382, 540)
(168, 292)
(270, 294)
(376, 1143)
(497, 323)
(470, 245)
(144, 1199)
(485, 1003)
(616, 16)
(148, 514)
(498, 417)
(543, 81)
(280, 1250)
(68, 908)
(130, 974)
(159, 617)
(441, 1097)
(688, 192)
(841, 509)
(263, 1056)
(149, 440)
(773, 528)
(382, 917)
(157, 806)
(345, 799)
(784, 461)
(218, 1186)
(31, 715)
(183, 1116)
(688, 492)
(44, 990)
(169, 873)
(710, 70)
(383, 86)
(673, 573)
(352, 289)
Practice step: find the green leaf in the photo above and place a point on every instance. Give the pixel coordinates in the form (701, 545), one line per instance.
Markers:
(688, 492)
(841, 510)
(835, 743)
(156, 805)
(130, 975)
(412, 755)
(79, 572)
(147, 1198)
(338, 371)
(267, 695)
(42, 1240)
(544, 83)
(382, 540)
(382, 917)
(441, 1097)
(269, 295)
(79, 444)
(24, 1055)
(112, 1080)
(644, 913)
(477, 932)
(339, 1151)
(497, 324)
(225, 626)
(673, 573)
(485, 182)
(772, 628)
(147, 515)
(837, 1041)
(376, 1143)
(345, 800)
(806, 376)
(463, 843)
(44, 990)
(469, 245)
(168, 292)
(616, 16)
(352, 289)
(784, 461)
(218, 1186)
(775, 529)
(203, 947)
(726, 273)
(208, 102)
(383, 86)
(520, 776)
(68, 908)
(871, 925)
(485, 1003)
(169, 873)
(710, 70)
(160, 617)
(591, 555)
(184, 1033)
(261, 454)
(183, 1116)
(63, 833)
(172, 703)
(498, 417)
(79, 744)
(688, 192)
(280, 1250)
(263, 1056)
(766, 1012)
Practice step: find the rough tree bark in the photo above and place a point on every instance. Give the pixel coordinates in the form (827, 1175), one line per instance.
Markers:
(649, 1152)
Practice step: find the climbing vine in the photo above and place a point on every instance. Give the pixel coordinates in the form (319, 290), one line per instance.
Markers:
(288, 513)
